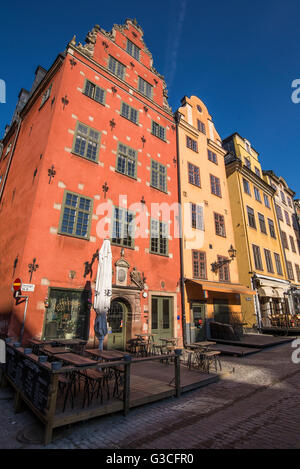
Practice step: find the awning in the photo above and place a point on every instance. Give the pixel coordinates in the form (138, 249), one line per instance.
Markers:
(272, 289)
(268, 292)
(222, 287)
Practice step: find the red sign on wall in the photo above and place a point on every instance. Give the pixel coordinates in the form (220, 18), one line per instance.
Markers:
(17, 284)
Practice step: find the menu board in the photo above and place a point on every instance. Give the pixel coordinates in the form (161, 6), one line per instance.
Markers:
(29, 377)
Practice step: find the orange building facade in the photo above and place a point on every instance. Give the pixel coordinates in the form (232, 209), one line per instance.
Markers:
(87, 157)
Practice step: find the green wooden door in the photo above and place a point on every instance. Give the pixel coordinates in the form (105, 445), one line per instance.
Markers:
(116, 319)
(221, 311)
(162, 316)
(198, 329)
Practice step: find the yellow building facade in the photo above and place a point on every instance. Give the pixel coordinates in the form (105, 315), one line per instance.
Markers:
(260, 256)
(211, 282)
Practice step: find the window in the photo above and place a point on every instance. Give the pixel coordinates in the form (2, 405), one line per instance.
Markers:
(294, 222)
(287, 218)
(246, 186)
(199, 108)
(145, 88)
(251, 217)
(194, 174)
(122, 227)
(290, 271)
(129, 113)
(220, 225)
(279, 212)
(224, 274)
(201, 126)
(272, 228)
(133, 50)
(247, 163)
(94, 92)
(197, 216)
(199, 264)
(126, 160)
(86, 142)
(257, 171)
(46, 95)
(76, 215)
(215, 185)
(292, 243)
(284, 240)
(116, 67)
(212, 157)
(282, 197)
(159, 237)
(266, 200)
(278, 264)
(158, 131)
(262, 223)
(289, 202)
(257, 194)
(248, 147)
(269, 261)
(158, 176)
(257, 257)
(192, 144)
(297, 272)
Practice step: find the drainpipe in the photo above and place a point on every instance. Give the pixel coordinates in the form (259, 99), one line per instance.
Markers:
(10, 158)
(177, 120)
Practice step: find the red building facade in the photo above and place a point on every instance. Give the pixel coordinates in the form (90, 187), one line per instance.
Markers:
(93, 150)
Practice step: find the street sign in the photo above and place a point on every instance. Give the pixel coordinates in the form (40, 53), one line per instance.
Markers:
(17, 284)
(28, 287)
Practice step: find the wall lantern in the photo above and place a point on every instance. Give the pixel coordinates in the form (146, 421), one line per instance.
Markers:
(215, 266)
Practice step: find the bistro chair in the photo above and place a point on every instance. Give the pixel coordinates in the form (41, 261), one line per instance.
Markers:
(212, 358)
(94, 383)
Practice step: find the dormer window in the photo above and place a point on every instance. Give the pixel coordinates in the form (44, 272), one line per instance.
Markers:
(248, 146)
(133, 50)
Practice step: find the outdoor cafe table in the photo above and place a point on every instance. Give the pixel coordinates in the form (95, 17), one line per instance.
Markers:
(78, 344)
(55, 350)
(74, 359)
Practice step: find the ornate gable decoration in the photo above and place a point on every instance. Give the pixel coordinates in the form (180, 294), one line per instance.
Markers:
(90, 41)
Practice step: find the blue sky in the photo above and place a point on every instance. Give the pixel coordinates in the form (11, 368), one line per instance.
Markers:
(240, 57)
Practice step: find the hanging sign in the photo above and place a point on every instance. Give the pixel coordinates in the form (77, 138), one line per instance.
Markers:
(17, 284)
(28, 287)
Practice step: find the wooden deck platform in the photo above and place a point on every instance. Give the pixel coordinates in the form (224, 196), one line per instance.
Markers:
(256, 341)
(281, 330)
(234, 350)
(149, 383)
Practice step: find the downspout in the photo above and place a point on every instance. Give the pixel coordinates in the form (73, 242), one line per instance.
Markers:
(10, 158)
(177, 120)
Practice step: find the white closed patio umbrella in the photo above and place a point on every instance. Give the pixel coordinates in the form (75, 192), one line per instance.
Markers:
(103, 291)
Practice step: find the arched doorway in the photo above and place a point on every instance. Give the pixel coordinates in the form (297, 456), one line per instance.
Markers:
(117, 318)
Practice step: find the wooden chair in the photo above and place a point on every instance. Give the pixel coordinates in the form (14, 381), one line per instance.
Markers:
(212, 357)
(94, 382)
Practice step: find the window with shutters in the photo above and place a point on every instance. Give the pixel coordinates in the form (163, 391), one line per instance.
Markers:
(297, 272)
(158, 176)
(257, 257)
(159, 237)
(262, 223)
(194, 174)
(287, 218)
(158, 131)
(129, 113)
(197, 216)
(199, 264)
(123, 227)
(212, 156)
(292, 243)
(201, 126)
(224, 272)
(284, 240)
(115, 67)
(133, 50)
(76, 215)
(246, 186)
(145, 88)
(257, 194)
(94, 92)
(192, 144)
(290, 270)
(126, 161)
(215, 185)
(266, 200)
(86, 142)
(272, 228)
(278, 263)
(251, 217)
(220, 225)
(269, 262)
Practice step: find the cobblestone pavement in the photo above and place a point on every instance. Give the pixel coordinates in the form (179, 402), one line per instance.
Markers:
(256, 406)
